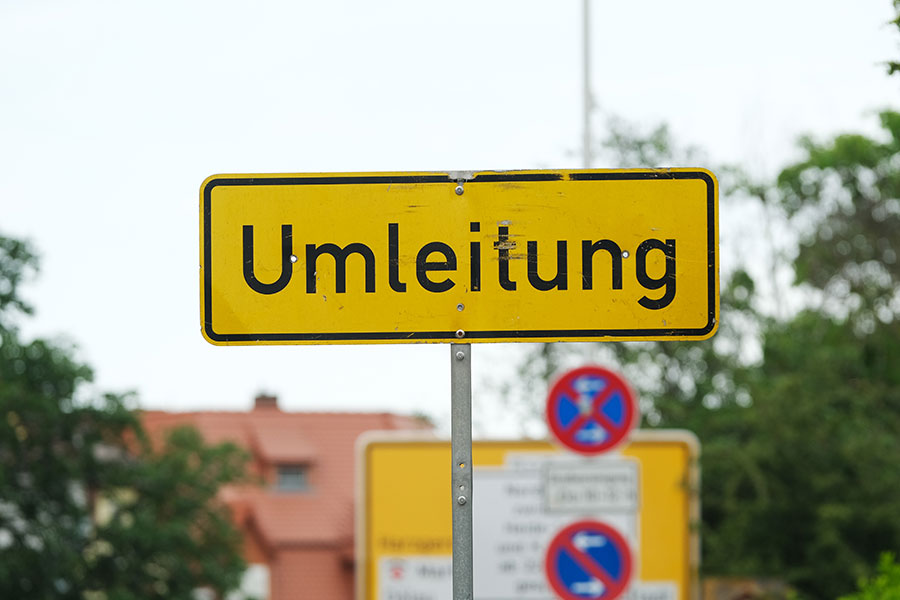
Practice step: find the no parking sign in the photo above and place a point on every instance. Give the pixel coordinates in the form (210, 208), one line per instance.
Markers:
(589, 559)
(591, 410)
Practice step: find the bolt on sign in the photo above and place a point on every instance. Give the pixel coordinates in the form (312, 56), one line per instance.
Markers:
(473, 257)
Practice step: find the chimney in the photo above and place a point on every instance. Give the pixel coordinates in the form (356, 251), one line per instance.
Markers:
(265, 402)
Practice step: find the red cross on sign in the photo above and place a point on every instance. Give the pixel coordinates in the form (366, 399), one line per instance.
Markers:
(591, 410)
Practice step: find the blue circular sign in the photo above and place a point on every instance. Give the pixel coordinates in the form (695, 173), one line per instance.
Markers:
(591, 410)
(589, 559)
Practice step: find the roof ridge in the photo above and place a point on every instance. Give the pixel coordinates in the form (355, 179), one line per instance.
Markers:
(373, 413)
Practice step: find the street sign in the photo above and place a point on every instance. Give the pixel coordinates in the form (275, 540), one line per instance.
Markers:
(589, 559)
(524, 492)
(591, 410)
(459, 257)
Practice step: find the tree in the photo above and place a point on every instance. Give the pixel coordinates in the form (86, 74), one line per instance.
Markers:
(88, 507)
(802, 484)
(830, 371)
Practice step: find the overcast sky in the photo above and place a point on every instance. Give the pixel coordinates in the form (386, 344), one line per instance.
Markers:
(113, 112)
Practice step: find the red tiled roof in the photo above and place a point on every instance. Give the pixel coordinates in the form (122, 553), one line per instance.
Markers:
(279, 441)
(325, 441)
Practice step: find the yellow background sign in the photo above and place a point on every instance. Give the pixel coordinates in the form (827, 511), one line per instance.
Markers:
(478, 257)
(404, 514)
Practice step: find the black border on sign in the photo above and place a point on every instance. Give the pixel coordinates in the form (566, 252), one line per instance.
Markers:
(450, 336)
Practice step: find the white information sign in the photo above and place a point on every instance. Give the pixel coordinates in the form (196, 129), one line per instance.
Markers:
(513, 529)
(513, 526)
(591, 487)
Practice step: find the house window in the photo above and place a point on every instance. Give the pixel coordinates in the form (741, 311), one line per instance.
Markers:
(292, 478)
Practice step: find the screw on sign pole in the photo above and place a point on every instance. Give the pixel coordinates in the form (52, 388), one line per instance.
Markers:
(589, 559)
(591, 410)
(461, 478)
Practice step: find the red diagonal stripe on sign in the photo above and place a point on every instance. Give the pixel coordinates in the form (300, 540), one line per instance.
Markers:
(586, 562)
(596, 410)
(602, 418)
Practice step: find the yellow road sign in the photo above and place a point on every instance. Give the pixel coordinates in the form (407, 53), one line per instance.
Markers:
(523, 492)
(472, 257)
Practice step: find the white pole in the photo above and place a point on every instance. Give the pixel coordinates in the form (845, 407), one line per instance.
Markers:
(586, 124)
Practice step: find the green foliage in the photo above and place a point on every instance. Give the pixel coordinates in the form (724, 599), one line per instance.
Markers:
(827, 395)
(18, 263)
(628, 146)
(885, 585)
(845, 200)
(88, 508)
(802, 485)
(165, 534)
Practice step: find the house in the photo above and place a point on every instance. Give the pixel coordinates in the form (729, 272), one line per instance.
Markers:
(298, 526)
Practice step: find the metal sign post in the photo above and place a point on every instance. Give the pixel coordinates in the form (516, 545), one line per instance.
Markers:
(461, 477)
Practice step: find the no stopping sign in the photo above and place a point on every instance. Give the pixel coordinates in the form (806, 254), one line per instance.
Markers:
(591, 410)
